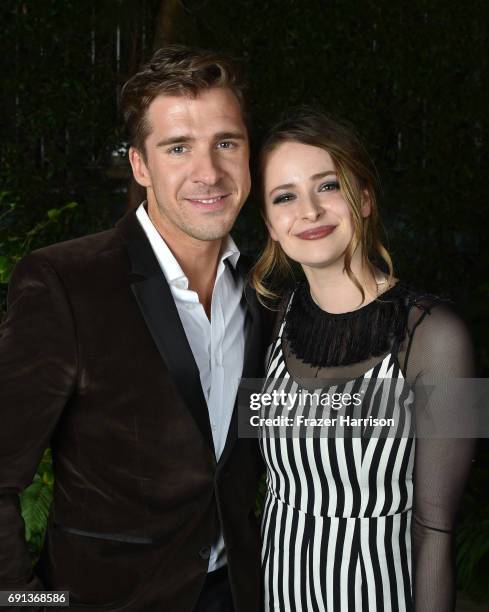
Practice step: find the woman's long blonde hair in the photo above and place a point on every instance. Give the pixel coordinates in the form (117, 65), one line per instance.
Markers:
(356, 175)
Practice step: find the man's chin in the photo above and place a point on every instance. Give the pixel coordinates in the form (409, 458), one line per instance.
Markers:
(209, 233)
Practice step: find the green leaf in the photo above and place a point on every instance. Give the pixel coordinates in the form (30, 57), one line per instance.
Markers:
(6, 265)
(4, 262)
(53, 213)
(47, 478)
(35, 503)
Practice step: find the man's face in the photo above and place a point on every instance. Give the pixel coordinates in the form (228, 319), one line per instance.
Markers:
(196, 168)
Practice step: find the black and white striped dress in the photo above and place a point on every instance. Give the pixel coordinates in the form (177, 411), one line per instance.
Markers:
(337, 516)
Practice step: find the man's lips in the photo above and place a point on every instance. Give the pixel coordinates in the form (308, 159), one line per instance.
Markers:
(208, 201)
(317, 232)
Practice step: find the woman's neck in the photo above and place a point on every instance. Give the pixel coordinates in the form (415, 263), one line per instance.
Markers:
(335, 292)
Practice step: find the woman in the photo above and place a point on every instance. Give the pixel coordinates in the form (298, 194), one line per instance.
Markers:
(357, 521)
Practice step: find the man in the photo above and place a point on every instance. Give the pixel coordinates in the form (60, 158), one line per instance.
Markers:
(123, 352)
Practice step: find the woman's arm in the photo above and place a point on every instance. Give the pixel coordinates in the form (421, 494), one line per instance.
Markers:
(441, 353)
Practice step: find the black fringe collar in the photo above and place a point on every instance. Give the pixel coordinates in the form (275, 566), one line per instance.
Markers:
(322, 339)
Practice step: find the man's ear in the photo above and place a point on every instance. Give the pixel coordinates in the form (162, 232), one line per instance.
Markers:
(366, 204)
(139, 168)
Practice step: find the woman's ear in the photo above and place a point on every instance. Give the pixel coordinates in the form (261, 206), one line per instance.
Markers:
(139, 168)
(366, 204)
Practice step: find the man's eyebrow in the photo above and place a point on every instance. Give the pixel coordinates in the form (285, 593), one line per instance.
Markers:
(185, 138)
(314, 177)
(230, 136)
(178, 139)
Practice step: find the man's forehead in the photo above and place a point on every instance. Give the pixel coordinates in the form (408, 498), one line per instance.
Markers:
(210, 115)
(212, 104)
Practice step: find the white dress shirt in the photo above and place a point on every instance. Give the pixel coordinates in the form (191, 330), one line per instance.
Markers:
(217, 345)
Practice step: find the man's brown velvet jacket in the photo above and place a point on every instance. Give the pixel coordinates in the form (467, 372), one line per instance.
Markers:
(94, 362)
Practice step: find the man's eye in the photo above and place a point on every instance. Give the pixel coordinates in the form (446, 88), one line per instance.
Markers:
(176, 150)
(226, 144)
(329, 186)
(283, 197)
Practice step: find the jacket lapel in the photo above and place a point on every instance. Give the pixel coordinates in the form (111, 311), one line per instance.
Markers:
(158, 309)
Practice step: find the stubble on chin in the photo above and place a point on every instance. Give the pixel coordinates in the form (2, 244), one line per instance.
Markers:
(214, 225)
(210, 226)
(207, 233)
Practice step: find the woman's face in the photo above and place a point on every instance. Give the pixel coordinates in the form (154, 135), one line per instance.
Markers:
(306, 211)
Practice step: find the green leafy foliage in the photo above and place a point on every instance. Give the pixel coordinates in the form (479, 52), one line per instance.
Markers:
(35, 502)
(14, 247)
(17, 238)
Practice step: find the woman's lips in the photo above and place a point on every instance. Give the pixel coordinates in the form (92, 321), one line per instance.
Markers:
(317, 232)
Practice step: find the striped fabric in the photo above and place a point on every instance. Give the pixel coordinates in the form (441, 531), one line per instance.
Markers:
(337, 516)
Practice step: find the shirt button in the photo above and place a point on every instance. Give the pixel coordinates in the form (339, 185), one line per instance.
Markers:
(205, 552)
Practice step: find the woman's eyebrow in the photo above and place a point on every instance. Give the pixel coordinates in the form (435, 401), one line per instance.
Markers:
(284, 186)
(314, 177)
(319, 175)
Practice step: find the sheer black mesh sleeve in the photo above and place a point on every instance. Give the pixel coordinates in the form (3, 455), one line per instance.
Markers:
(438, 348)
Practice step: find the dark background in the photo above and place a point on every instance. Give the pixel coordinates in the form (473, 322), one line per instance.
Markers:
(411, 77)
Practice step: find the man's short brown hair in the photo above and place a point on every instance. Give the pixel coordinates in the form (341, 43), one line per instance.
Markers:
(175, 70)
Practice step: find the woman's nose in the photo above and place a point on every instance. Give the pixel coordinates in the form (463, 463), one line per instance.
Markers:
(310, 209)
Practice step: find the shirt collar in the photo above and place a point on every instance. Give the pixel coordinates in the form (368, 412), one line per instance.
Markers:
(230, 251)
(168, 263)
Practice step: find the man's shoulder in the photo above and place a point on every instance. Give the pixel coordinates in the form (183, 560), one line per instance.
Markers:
(81, 252)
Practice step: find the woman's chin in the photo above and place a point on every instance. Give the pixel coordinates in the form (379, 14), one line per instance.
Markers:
(317, 263)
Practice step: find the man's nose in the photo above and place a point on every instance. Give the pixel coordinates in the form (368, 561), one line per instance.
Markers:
(206, 168)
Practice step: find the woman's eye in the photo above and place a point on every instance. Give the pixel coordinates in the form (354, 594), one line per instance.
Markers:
(283, 197)
(329, 186)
